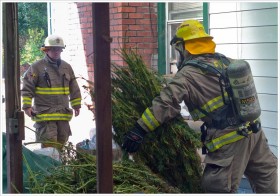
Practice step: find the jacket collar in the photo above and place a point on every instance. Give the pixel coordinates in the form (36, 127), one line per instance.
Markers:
(53, 62)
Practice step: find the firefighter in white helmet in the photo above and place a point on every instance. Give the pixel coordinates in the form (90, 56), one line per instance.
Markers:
(51, 85)
(233, 147)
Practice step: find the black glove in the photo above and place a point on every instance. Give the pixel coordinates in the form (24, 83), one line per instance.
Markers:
(133, 139)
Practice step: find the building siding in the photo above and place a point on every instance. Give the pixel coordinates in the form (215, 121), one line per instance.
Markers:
(249, 31)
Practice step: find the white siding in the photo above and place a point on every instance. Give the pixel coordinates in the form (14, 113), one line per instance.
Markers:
(249, 30)
(66, 23)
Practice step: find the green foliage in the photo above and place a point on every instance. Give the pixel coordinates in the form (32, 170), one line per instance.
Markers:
(78, 175)
(33, 28)
(31, 16)
(170, 150)
(31, 51)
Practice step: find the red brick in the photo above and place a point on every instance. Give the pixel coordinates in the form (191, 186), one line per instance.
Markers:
(128, 21)
(119, 4)
(130, 45)
(84, 31)
(139, 4)
(124, 15)
(144, 33)
(88, 14)
(131, 33)
(89, 6)
(144, 21)
(136, 15)
(83, 20)
(114, 33)
(127, 9)
(145, 45)
(142, 10)
(152, 16)
(113, 10)
(148, 51)
(135, 39)
(117, 16)
(115, 22)
(117, 28)
(135, 27)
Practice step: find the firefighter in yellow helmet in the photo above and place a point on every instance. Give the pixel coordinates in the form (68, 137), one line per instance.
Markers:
(50, 84)
(233, 148)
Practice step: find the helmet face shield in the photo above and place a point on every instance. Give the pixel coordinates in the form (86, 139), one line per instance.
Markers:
(178, 58)
(179, 55)
(178, 45)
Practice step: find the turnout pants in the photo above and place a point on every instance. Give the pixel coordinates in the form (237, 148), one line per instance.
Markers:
(250, 156)
(54, 131)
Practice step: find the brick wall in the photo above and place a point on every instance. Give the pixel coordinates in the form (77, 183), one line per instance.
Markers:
(131, 25)
(85, 15)
(134, 25)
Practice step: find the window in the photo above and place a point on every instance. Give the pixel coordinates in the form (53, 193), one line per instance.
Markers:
(176, 14)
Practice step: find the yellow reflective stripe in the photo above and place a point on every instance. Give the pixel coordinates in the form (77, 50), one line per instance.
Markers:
(52, 88)
(76, 102)
(217, 143)
(210, 106)
(149, 120)
(52, 91)
(26, 100)
(54, 116)
(214, 104)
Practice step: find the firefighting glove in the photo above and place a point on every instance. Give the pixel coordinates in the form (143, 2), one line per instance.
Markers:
(133, 139)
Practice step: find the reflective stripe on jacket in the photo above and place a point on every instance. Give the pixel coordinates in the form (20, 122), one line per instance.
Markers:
(53, 116)
(149, 120)
(228, 138)
(51, 102)
(209, 107)
(52, 91)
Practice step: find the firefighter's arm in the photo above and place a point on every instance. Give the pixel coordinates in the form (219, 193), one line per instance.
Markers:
(75, 94)
(164, 107)
(30, 78)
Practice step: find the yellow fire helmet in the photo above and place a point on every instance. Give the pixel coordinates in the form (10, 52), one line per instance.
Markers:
(191, 29)
(53, 41)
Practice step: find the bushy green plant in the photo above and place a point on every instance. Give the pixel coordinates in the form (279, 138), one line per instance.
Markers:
(78, 174)
(171, 150)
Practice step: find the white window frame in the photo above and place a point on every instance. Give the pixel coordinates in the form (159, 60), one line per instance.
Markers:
(170, 62)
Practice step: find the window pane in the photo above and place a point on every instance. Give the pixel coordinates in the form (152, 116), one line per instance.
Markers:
(177, 11)
(173, 28)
